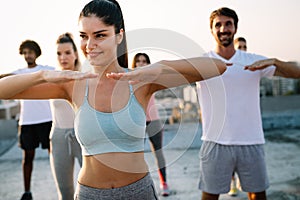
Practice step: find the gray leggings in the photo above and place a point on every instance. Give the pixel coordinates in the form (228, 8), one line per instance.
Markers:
(143, 189)
(64, 150)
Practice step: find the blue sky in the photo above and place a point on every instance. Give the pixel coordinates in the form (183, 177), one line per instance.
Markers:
(271, 27)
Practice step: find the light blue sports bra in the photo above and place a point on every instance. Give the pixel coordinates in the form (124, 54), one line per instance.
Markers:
(121, 131)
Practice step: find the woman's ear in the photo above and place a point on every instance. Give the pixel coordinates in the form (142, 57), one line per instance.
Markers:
(120, 36)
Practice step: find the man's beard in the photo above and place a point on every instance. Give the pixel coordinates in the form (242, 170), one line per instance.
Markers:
(225, 42)
(30, 63)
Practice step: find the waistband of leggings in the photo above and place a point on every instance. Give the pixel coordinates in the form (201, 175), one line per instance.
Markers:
(136, 186)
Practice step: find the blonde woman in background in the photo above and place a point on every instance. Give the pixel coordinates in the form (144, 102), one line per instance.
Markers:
(64, 146)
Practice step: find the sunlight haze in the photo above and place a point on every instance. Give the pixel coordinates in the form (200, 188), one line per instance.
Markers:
(270, 26)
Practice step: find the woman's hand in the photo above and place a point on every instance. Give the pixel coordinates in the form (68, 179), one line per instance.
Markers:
(143, 74)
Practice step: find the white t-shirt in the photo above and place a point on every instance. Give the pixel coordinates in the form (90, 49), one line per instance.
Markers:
(230, 103)
(34, 111)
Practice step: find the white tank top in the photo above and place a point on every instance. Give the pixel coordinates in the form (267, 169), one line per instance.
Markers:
(63, 114)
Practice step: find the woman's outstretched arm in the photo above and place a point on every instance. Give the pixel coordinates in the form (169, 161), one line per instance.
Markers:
(167, 74)
(39, 85)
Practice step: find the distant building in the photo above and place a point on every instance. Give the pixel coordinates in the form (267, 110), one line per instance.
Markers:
(283, 86)
(277, 86)
(266, 88)
(297, 86)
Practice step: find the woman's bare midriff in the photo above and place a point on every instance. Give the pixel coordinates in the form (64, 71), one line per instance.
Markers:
(112, 170)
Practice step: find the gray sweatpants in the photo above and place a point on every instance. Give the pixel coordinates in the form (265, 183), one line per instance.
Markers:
(64, 150)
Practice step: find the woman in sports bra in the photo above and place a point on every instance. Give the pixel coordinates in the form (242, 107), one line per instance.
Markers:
(110, 103)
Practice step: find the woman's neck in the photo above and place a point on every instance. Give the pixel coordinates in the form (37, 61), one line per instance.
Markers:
(103, 70)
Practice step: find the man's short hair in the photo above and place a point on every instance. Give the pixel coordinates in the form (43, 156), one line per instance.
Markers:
(32, 45)
(224, 12)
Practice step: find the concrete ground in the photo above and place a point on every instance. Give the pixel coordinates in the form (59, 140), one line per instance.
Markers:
(182, 143)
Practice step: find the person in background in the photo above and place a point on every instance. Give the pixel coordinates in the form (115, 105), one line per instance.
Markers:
(154, 129)
(64, 145)
(240, 43)
(110, 103)
(232, 133)
(35, 117)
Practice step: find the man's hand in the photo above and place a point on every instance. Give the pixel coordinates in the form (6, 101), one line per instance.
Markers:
(261, 64)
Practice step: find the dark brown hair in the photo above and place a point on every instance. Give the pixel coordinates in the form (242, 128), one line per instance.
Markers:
(32, 45)
(224, 12)
(109, 11)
